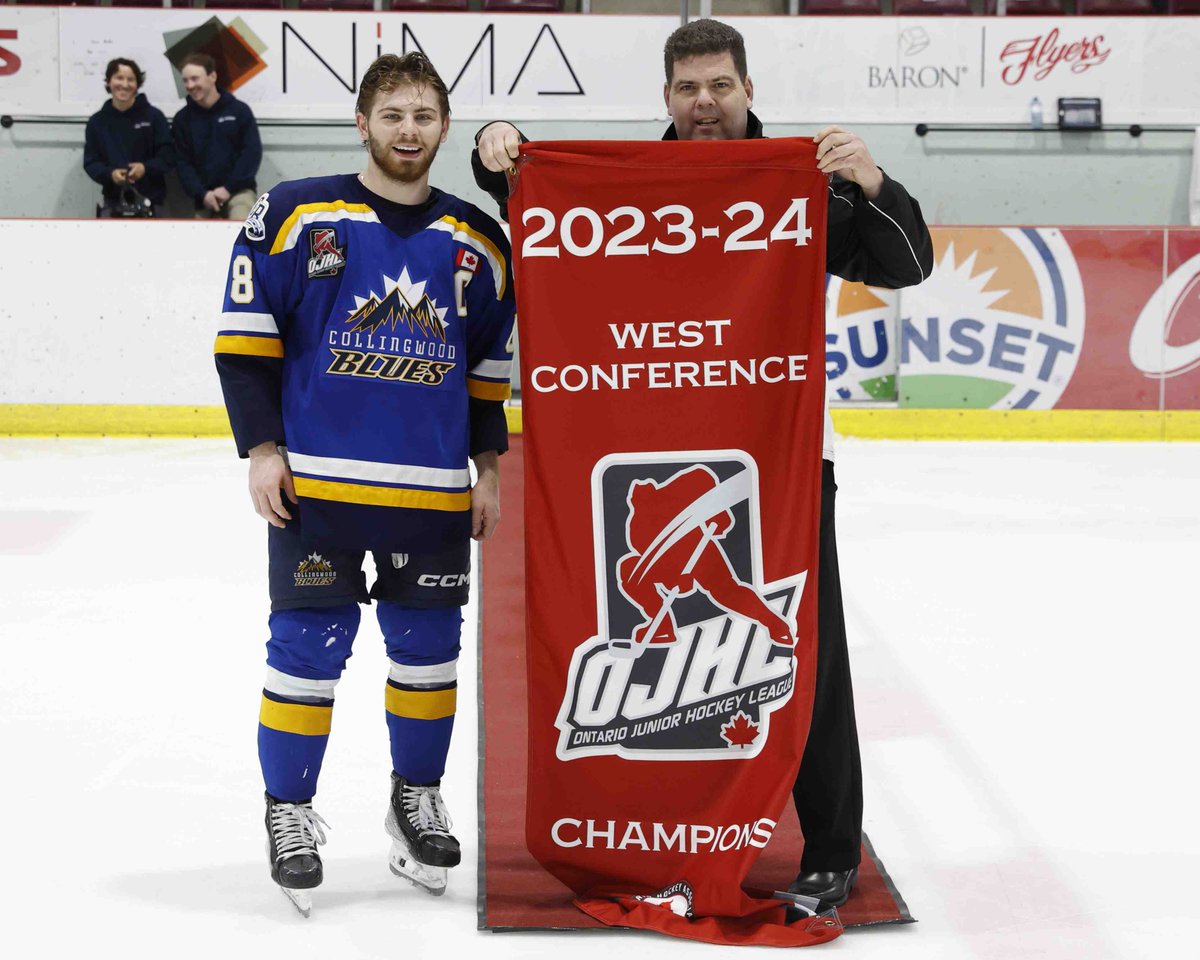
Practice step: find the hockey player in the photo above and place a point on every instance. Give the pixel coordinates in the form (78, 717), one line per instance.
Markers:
(364, 355)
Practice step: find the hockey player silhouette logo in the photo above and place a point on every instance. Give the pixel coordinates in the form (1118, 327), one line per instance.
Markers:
(326, 258)
(676, 550)
(692, 652)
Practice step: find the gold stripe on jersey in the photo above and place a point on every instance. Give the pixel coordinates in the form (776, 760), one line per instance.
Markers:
(421, 704)
(303, 718)
(463, 232)
(249, 346)
(381, 496)
(307, 213)
(486, 390)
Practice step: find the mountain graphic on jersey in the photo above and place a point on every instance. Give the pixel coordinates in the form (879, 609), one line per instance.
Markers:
(404, 303)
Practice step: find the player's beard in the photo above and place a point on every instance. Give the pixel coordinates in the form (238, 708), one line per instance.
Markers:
(397, 168)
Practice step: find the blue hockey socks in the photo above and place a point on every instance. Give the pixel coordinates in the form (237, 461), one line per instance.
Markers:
(421, 694)
(306, 654)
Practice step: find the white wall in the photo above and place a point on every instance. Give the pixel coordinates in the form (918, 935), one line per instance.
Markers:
(111, 312)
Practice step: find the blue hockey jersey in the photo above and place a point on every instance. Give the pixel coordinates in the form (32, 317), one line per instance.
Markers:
(373, 340)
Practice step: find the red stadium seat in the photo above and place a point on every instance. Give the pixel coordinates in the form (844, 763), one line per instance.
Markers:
(522, 6)
(1114, 8)
(1183, 6)
(61, 3)
(234, 4)
(336, 5)
(933, 8)
(418, 5)
(140, 3)
(1027, 8)
(842, 8)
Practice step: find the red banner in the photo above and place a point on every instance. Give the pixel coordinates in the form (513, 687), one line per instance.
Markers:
(672, 325)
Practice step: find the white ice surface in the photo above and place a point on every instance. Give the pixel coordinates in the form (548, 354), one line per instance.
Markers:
(1023, 622)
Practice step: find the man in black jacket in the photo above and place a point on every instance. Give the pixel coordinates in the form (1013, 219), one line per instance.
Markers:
(218, 144)
(875, 234)
(127, 144)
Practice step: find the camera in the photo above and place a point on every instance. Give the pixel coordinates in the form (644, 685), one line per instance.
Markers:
(130, 202)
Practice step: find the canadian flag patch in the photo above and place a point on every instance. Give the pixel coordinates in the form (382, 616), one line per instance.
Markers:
(466, 260)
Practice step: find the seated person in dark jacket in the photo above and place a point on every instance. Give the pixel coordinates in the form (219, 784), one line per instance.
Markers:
(216, 138)
(127, 144)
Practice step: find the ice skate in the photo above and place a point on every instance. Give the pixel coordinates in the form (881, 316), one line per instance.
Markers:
(294, 831)
(419, 825)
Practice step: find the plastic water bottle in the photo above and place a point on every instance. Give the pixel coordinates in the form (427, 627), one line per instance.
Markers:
(1035, 114)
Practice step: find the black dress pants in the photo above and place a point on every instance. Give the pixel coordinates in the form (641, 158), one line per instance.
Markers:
(828, 789)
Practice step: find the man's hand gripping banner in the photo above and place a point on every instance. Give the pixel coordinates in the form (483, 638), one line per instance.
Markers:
(672, 344)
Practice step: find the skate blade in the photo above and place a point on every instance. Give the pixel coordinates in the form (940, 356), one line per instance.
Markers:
(301, 900)
(404, 865)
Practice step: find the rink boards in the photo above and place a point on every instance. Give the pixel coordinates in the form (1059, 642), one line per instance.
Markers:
(1022, 333)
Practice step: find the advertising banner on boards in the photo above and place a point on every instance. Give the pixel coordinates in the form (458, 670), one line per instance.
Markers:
(291, 64)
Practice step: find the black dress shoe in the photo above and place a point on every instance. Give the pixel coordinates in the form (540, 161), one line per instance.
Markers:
(832, 886)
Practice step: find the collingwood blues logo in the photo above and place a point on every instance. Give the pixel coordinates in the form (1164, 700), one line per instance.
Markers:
(314, 571)
(693, 653)
(398, 335)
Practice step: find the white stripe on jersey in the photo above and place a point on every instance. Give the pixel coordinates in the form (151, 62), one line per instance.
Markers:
(332, 468)
(249, 322)
(323, 216)
(494, 369)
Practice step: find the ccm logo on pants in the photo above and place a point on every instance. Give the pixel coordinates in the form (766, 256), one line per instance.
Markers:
(444, 580)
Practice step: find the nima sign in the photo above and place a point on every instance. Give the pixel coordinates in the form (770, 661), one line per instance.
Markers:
(492, 65)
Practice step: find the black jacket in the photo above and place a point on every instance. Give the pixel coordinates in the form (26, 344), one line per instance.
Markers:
(882, 242)
(217, 147)
(115, 139)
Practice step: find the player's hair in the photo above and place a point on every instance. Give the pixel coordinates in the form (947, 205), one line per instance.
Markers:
(201, 60)
(390, 72)
(116, 64)
(702, 37)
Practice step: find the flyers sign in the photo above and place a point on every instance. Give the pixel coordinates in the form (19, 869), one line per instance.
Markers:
(671, 304)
